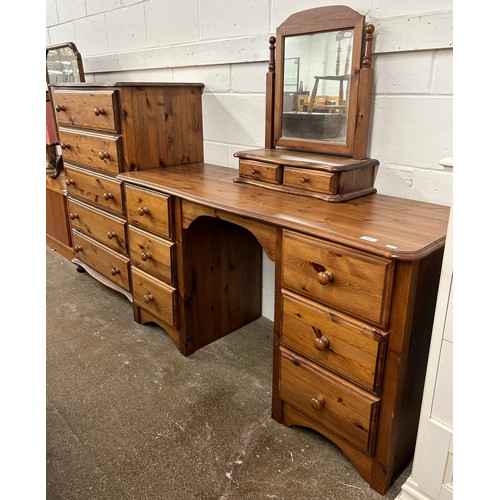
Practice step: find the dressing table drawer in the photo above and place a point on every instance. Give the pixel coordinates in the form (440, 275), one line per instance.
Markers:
(355, 282)
(152, 254)
(101, 226)
(260, 171)
(154, 296)
(87, 109)
(341, 408)
(347, 347)
(102, 152)
(321, 182)
(106, 262)
(92, 187)
(148, 210)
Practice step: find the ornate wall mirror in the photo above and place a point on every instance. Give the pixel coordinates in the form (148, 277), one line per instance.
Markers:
(333, 59)
(318, 100)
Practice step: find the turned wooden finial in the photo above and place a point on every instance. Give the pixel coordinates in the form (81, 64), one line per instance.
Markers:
(367, 59)
(272, 49)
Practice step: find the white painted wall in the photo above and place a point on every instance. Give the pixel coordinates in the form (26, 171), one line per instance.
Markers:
(223, 43)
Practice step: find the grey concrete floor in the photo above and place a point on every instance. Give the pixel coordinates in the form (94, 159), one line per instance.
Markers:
(129, 417)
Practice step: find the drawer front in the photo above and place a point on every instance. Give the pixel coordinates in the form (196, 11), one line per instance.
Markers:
(103, 191)
(148, 210)
(352, 281)
(105, 228)
(110, 264)
(310, 180)
(349, 348)
(102, 152)
(87, 109)
(345, 411)
(260, 171)
(151, 254)
(156, 297)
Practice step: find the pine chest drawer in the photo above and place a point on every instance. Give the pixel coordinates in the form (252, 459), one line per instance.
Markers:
(343, 409)
(347, 347)
(106, 262)
(88, 109)
(94, 188)
(154, 296)
(101, 226)
(355, 282)
(310, 180)
(152, 254)
(260, 171)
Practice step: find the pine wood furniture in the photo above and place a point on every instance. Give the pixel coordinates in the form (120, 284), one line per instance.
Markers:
(356, 286)
(108, 128)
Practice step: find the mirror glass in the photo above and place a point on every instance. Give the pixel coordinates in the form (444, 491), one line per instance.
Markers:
(63, 64)
(316, 83)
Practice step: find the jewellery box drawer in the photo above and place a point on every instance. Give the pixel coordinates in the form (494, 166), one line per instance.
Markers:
(322, 182)
(344, 410)
(352, 281)
(260, 171)
(94, 109)
(154, 296)
(148, 210)
(151, 254)
(95, 188)
(349, 348)
(98, 151)
(108, 263)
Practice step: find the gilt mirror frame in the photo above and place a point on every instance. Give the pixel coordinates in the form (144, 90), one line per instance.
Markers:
(310, 22)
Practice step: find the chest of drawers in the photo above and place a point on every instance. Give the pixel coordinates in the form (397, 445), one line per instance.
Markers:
(109, 128)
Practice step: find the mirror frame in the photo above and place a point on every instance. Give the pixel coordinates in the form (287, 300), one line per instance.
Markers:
(77, 56)
(318, 20)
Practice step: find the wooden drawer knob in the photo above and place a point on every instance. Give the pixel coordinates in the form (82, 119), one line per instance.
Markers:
(325, 277)
(318, 402)
(70, 182)
(303, 180)
(108, 196)
(115, 271)
(60, 107)
(78, 249)
(103, 155)
(74, 216)
(254, 171)
(149, 298)
(112, 234)
(143, 211)
(98, 111)
(321, 343)
(146, 255)
(65, 145)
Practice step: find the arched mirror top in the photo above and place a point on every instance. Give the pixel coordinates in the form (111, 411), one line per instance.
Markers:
(322, 84)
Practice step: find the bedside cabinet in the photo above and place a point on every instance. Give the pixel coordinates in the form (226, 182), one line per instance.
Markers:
(109, 128)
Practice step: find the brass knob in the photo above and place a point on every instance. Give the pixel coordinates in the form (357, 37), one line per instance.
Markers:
(112, 234)
(254, 171)
(146, 255)
(321, 343)
(69, 182)
(74, 216)
(143, 211)
(303, 180)
(149, 298)
(318, 402)
(65, 145)
(78, 249)
(108, 196)
(115, 271)
(103, 155)
(325, 277)
(60, 107)
(98, 111)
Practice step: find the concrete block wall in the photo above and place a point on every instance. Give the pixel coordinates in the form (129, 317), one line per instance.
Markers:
(224, 44)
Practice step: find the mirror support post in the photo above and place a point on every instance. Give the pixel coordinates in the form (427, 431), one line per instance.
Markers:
(270, 90)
